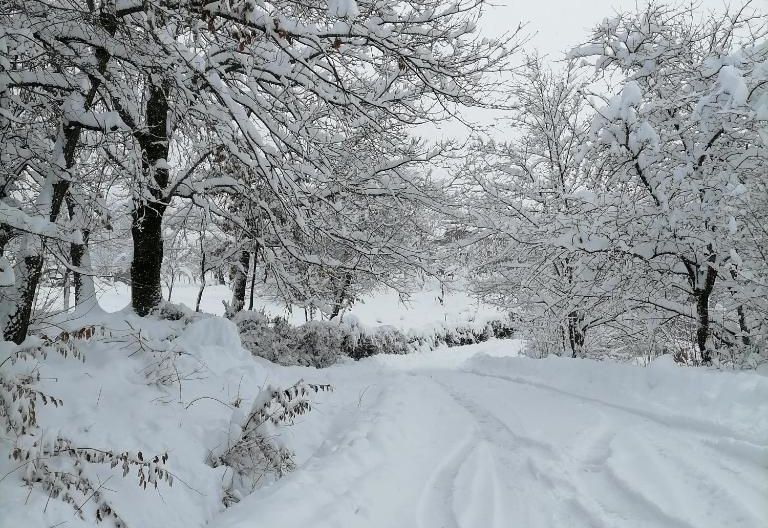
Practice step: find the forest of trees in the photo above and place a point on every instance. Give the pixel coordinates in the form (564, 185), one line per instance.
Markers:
(622, 211)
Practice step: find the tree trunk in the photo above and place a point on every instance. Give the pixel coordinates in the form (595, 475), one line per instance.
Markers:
(67, 303)
(253, 276)
(200, 294)
(253, 283)
(746, 340)
(576, 335)
(147, 226)
(85, 290)
(146, 291)
(76, 252)
(703, 330)
(171, 284)
(28, 272)
(240, 282)
(339, 303)
(743, 328)
(202, 274)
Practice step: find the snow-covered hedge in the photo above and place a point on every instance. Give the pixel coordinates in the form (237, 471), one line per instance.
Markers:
(323, 343)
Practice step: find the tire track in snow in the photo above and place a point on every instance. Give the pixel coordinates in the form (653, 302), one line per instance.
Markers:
(679, 422)
(437, 502)
(571, 481)
(727, 449)
(520, 456)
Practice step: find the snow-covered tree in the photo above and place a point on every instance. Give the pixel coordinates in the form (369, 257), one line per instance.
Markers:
(190, 100)
(681, 140)
(530, 202)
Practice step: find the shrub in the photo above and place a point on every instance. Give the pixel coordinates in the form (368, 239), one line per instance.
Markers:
(255, 454)
(323, 343)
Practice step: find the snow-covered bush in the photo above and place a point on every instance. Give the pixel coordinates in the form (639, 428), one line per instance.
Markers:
(272, 338)
(379, 340)
(323, 343)
(320, 344)
(255, 453)
(169, 311)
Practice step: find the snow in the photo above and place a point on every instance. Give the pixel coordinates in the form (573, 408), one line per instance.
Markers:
(473, 436)
(458, 438)
(732, 83)
(7, 276)
(631, 94)
(343, 9)
(422, 311)
(19, 219)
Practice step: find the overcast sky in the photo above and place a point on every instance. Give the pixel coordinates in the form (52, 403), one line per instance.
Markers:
(554, 26)
(560, 24)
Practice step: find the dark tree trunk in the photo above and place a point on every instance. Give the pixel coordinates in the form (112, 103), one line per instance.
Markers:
(76, 252)
(342, 295)
(743, 328)
(67, 294)
(253, 278)
(703, 329)
(170, 285)
(146, 290)
(240, 282)
(701, 278)
(147, 226)
(200, 294)
(202, 274)
(18, 322)
(576, 335)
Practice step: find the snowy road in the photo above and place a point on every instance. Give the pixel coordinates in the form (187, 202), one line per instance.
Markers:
(445, 440)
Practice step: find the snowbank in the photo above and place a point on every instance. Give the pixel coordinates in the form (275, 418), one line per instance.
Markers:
(142, 389)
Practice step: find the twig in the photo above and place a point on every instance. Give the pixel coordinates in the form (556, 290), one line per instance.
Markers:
(208, 398)
(79, 509)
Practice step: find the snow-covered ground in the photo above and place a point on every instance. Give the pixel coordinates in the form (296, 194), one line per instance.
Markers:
(457, 438)
(420, 310)
(469, 437)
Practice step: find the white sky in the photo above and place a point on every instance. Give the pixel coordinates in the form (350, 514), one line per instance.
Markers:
(554, 26)
(561, 24)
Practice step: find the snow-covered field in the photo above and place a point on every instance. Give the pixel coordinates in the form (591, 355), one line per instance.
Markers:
(469, 437)
(420, 310)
